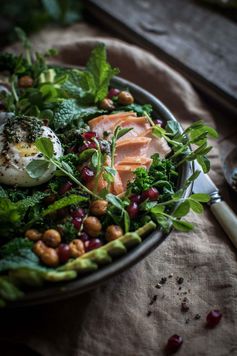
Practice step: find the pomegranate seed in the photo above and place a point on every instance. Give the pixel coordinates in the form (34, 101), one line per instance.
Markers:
(113, 92)
(77, 223)
(133, 210)
(78, 213)
(135, 198)
(84, 237)
(174, 343)
(90, 144)
(92, 244)
(213, 318)
(87, 174)
(150, 194)
(63, 253)
(86, 145)
(89, 135)
(65, 187)
(82, 148)
(158, 122)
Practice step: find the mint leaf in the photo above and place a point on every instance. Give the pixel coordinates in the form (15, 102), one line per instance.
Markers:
(37, 168)
(80, 85)
(101, 70)
(45, 146)
(90, 85)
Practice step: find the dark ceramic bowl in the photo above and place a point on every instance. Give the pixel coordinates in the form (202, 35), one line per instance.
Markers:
(84, 283)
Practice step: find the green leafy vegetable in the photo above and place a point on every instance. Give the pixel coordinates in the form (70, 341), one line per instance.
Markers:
(119, 204)
(14, 212)
(44, 145)
(101, 71)
(37, 168)
(63, 202)
(69, 111)
(140, 110)
(8, 290)
(14, 246)
(24, 258)
(65, 99)
(9, 211)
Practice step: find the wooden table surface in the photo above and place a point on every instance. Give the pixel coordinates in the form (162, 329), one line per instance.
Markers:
(198, 42)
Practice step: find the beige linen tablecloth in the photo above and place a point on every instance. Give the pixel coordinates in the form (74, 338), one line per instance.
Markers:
(119, 318)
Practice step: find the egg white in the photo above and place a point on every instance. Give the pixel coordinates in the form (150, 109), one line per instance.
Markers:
(19, 155)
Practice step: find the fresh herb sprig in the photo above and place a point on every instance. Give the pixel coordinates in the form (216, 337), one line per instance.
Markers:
(38, 167)
(166, 220)
(195, 135)
(65, 97)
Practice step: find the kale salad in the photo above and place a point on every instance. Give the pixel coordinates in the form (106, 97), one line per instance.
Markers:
(85, 171)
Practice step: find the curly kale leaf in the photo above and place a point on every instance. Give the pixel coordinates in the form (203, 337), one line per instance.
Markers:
(24, 258)
(69, 112)
(14, 212)
(69, 231)
(142, 181)
(14, 246)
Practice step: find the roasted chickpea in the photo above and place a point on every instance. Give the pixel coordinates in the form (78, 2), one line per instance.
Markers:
(51, 237)
(50, 257)
(25, 82)
(39, 248)
(125, 98)
(98, 207)
(107, 104)
(33, 234)
(92, 226)
(113, 232)
(76, 248)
